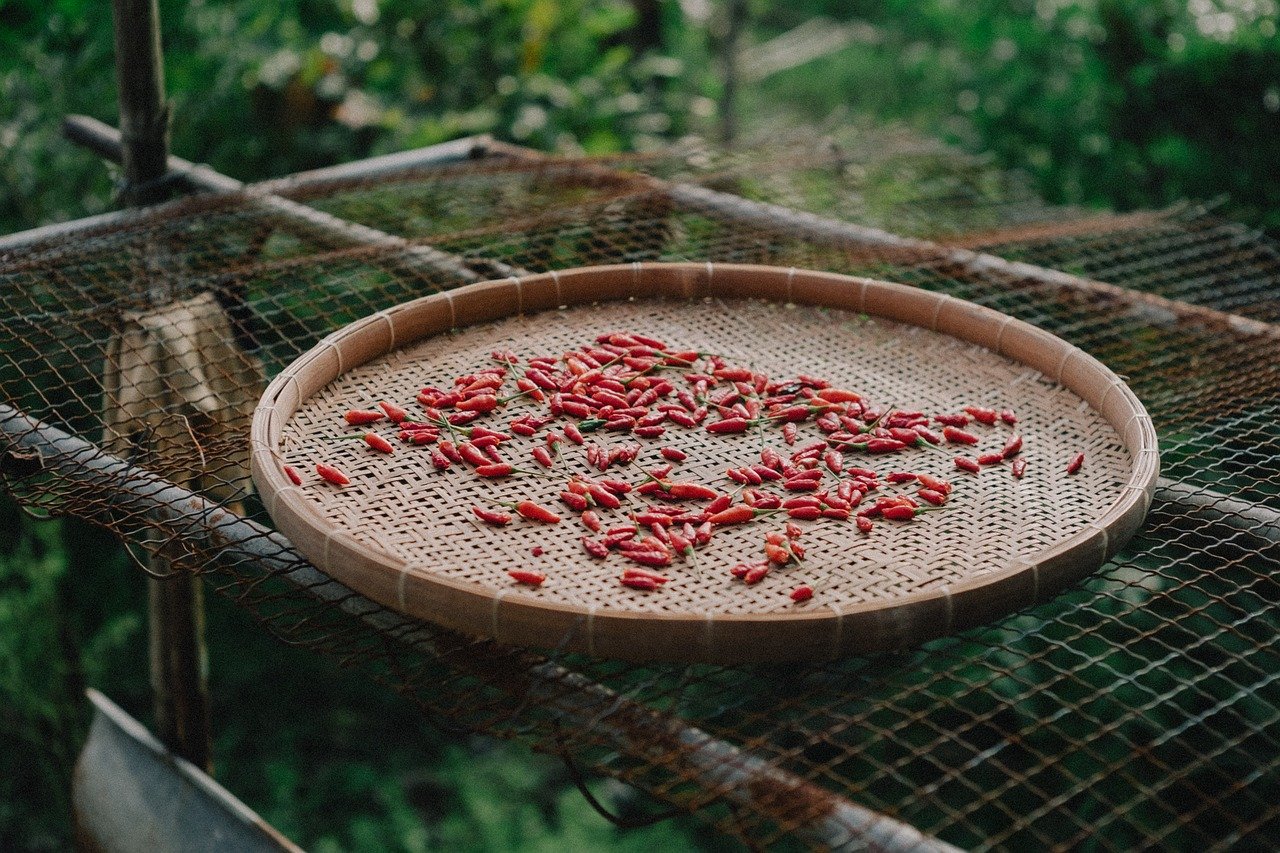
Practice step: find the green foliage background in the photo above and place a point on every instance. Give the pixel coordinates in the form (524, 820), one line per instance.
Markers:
(1116, 103)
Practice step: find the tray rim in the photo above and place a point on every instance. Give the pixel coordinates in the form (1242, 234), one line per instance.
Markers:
(824, 631)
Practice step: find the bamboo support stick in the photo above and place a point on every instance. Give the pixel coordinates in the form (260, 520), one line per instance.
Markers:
(175, 607)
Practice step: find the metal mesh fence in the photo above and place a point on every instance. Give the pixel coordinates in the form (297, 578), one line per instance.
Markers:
(1140, 708)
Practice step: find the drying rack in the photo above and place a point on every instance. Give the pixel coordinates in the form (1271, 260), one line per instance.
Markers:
(1142, 706)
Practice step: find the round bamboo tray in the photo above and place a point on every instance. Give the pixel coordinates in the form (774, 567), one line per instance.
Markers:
(403, 534)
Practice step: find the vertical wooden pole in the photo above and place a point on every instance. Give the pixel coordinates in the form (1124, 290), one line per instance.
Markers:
(175, 602)
(737, 19)
(144, 113)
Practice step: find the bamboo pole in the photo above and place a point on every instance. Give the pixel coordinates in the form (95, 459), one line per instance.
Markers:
(175, 606)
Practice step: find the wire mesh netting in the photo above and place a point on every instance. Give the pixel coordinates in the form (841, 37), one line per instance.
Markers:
(1141, 707)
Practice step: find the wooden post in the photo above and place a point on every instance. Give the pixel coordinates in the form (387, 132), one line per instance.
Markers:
(144, 113)
(736, 11)
(175, 604)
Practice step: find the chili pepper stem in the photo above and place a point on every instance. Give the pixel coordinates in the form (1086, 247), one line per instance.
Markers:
(871, 427)
(502, 401)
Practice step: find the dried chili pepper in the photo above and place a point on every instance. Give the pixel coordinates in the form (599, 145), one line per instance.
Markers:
(801, 593)
(964, 463)
(525, 576)
(491, 516)
(292, 474)
(637, 582)
(958, 436)
(1019, 468)
(331, 474)
(378, 443)
(1076, 463)
(595, 547)
(536, 512)
(359, 417)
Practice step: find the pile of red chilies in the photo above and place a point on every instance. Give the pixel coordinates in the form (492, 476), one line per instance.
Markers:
(630, 384)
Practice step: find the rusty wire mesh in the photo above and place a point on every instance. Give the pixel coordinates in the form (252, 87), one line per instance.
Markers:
(1142, 707)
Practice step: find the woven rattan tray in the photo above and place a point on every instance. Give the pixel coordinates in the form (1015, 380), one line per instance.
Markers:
(403, 533)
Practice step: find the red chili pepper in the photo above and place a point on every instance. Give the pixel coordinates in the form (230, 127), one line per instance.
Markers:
(637, 572)
(883, 445)
(789, 432)
(649, 557)
(777, 553)
(591, 521)
(801, 484)
(692, 491)
(952, 420)
(838, 395)
(536, 512)
(964, 463)
(292, 474)
(1009, 417)
(497, 469)
(720, 504)
(1019, 468)
(603, 496)
(571, 432)
(618, 487)
(901, 476)
(653, 517)
(331, 474)
(934, 483)
(473, 454)
(595, 548)
(991, 458)
(898, 512)
(805, 513)
(462, 418)
(439, 460)
(733, 515)
(378, 443)
(928, 435)
(529, 387)
(527, 577)
(393, 411)
(574, 501)
(479, 403)
(755, 574)
(1012, 446)
(729, 425)
(491, 516)
(981, 415)
(802, 593)
(959, 436)
(934, 497)
(359, 417)
(543, 457)
(673, 454)
(640, 583)
(1076, 463)
(864, 524)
